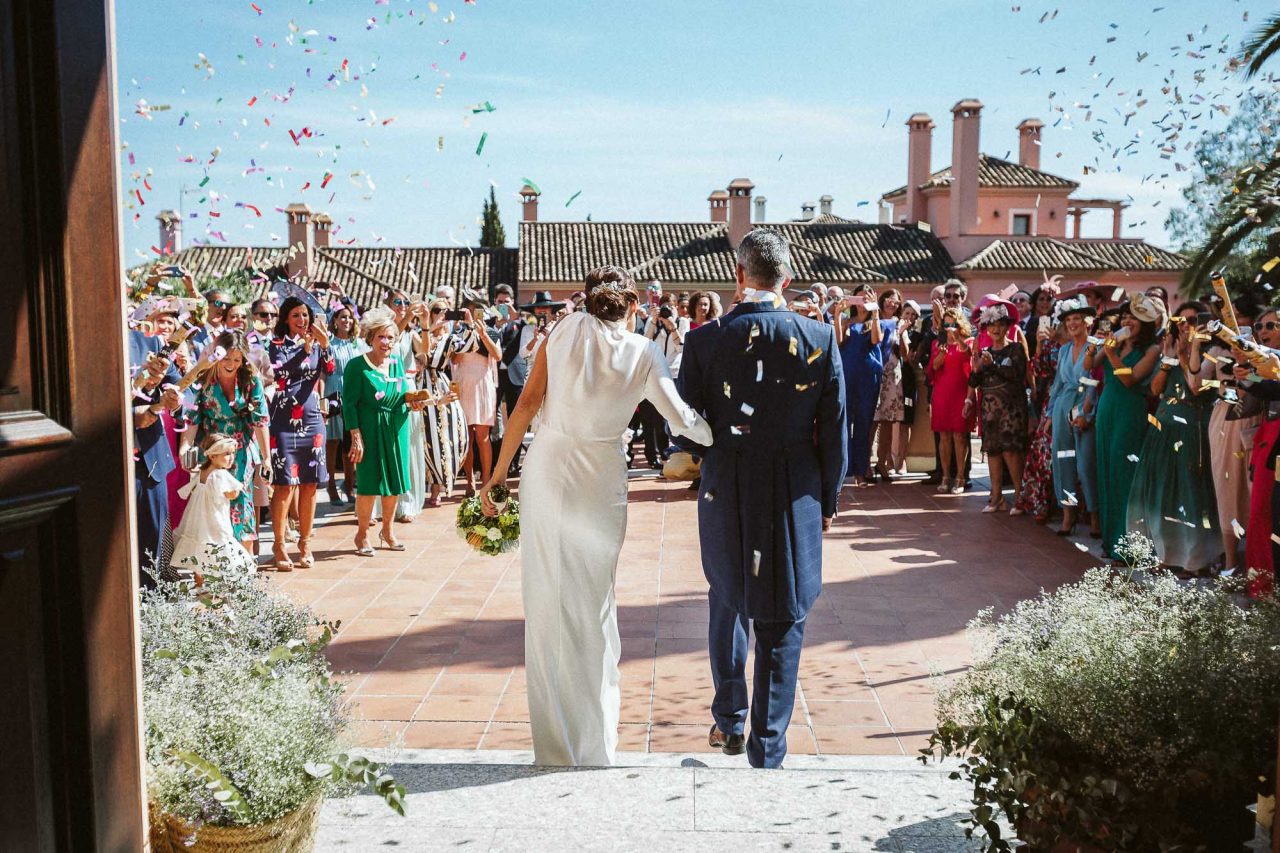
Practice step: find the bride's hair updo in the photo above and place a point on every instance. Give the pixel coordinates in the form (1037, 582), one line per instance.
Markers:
(610, 291)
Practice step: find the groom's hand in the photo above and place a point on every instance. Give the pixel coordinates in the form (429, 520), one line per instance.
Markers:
(826, 524)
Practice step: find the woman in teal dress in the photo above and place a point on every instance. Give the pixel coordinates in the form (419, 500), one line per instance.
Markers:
(1128, 357)
(231, 401)
(1173, 500)
(377, 415)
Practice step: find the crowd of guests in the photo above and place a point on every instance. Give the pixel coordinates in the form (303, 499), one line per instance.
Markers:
(1091, 406)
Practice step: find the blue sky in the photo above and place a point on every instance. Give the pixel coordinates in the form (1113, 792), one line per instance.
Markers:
(642, 108)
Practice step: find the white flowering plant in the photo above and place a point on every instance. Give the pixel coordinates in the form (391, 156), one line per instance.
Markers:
(1117, 714)
(493, 536)
(244, 721)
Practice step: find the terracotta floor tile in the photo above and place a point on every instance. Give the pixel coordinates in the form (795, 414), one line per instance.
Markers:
(386, 707)
(508, 736)
(680, 738)
(443, 735)
(439, 707)
(452, 683)
(845, 713)
(856, 740)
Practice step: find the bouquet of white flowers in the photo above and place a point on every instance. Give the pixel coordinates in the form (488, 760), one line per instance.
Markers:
(491, 536)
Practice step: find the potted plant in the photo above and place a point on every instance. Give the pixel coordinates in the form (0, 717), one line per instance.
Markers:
(1118, 715)
(244, 721)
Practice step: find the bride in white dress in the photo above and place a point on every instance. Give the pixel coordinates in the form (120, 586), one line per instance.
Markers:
(587, 379)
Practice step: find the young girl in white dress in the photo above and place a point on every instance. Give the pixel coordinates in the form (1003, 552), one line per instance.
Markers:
(204, 538)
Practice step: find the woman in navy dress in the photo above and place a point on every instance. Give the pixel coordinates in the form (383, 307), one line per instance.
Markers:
(864, 343)
(300, 359)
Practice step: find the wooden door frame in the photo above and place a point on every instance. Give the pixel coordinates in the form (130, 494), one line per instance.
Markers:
(66, 495)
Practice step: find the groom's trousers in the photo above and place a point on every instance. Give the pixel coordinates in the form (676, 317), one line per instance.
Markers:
(773, 693)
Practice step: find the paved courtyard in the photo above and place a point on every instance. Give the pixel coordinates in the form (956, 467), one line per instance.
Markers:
(431, 640)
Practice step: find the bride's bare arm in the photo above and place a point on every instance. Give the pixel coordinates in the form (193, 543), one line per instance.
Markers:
(535, 389)
(660, 390)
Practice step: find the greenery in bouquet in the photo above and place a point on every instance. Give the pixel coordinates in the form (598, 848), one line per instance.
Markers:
(244, 722)
(491, 536)
(1128, 716)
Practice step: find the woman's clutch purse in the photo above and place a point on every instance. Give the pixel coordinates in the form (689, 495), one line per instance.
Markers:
(418, 395)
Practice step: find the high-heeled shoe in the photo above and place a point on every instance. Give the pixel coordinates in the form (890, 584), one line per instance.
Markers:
(1066, 531)
(390, 544)
(945, 486)
(280, 560)
(998, 506)
(365, 550)
(305, 558)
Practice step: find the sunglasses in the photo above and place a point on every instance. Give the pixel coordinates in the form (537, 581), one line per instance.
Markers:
(1269, 325)
(399, 303)
(218, 303)
(266, 315)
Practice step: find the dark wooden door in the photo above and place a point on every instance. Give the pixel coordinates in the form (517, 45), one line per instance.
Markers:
(69, 722)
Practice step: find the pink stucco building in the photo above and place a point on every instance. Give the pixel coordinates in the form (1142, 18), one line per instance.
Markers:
(1007, 222)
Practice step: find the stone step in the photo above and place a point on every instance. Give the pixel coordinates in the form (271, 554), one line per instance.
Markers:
(494, 800)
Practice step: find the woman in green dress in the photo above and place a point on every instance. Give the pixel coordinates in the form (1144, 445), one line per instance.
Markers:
(377, 416)
(1173, 500)
(1128, 357)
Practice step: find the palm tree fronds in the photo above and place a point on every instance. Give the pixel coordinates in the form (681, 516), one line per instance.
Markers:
(1262, 45)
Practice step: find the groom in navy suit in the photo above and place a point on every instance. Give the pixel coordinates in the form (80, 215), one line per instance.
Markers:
(769, 382)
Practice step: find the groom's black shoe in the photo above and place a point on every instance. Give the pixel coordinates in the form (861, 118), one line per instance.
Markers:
(728, 744)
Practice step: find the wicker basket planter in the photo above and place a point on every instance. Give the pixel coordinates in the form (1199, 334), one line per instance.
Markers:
(292, 833)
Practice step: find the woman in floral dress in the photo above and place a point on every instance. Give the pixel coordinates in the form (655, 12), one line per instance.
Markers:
(231, 401)
(446, 438)
(299, 354)
(1037, 496)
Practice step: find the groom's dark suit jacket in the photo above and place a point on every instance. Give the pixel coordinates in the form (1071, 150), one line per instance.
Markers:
(770, 384)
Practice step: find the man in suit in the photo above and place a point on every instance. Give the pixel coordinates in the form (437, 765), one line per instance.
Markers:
(153, 458)
(769, 382)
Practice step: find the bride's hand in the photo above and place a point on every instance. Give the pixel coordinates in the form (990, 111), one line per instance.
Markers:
(486, 503)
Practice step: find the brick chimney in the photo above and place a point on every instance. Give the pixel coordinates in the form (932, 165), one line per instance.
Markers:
(824, 205)
(1029, 142)
(530, 198)
(301, 240)
(170, 233)
(719, 200)
(323, 228)
(759, 202)
(964, 166)
(739, 209)
(919, 164)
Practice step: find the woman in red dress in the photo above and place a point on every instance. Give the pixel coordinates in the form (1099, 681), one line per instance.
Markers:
(949, 367)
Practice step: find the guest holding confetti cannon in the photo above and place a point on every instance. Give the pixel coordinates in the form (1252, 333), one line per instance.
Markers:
(891, 404)
(475, 369)
(374, 389)
(231, 402)
(1073, 402)
(1263, 397)
(1000, 373)
(299, 353)
(950, 363)
(864, 338)
(408, 313)
(1128, 357)
(1231, 432)
(1172, 499)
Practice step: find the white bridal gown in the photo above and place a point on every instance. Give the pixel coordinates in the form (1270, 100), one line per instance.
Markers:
(573, 505)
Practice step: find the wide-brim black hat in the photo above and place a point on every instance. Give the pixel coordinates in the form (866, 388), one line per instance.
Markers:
(542, 299)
